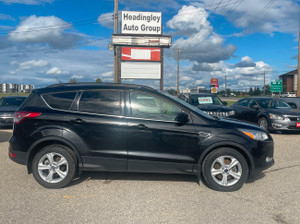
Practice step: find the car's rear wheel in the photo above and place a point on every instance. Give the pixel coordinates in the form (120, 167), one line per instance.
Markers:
(225, 169)
(263, 123)
(54, 166)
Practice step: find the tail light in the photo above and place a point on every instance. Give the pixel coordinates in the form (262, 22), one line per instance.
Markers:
(21, 115)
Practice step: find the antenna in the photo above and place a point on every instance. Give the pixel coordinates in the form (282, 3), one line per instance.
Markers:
(57, 78)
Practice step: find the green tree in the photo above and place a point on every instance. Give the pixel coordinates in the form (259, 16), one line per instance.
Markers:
(172, 92)
(98, 80)
(73, 80)
(251, 92)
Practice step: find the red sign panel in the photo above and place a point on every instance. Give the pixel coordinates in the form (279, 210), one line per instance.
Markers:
(140, 54)
(298, 124)
(214, 82)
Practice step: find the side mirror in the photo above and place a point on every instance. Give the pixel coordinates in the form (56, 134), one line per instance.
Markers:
(225, 103)
(182, 118)
(292, 105)
(254, 106)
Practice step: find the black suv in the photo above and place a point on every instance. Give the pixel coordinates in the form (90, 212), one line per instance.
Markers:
(64, 129)
(209, 103)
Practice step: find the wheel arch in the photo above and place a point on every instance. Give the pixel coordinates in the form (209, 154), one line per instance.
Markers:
(41, 143)
(233, 145)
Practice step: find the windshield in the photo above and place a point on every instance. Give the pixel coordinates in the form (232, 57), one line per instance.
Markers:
(273, 104)
(192, 108)
(208, 100)
(13, 101)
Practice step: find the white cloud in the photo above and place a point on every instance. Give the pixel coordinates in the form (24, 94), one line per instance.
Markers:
(27, 2)
(106, 19)
(46, 30)
(198, 42)
(279, 16)
(6, 17)
(56, 71)
(32, 64)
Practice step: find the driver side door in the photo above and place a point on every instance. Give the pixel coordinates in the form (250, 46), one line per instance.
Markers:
(155, 141)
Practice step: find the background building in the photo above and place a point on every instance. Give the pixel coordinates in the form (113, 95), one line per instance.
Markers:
(289, 81)
(15, 88)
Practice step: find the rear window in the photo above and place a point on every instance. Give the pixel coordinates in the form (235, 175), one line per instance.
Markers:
(101, 102)
(61, 101)
(11, 101)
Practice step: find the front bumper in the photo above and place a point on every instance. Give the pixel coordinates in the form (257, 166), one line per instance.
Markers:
(263, 155)
(6, 120)
(284, 125)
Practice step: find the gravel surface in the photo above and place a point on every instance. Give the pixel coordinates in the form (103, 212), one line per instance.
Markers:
(270, 197)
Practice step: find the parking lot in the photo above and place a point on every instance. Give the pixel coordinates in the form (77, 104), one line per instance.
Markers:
(270, 197)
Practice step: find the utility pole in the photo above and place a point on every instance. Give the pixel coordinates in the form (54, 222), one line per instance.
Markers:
(116, 49)
(298, 78)
(264, 83)
(225, 84)
(177, 71)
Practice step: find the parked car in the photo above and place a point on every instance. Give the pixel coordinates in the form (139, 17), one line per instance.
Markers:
(64, 129)
(209, 103)
(271, 114)
(294, 102)
(288, 94)
(8, 106)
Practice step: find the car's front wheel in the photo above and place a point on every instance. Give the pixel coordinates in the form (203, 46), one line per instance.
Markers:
(54, 166)
(263, 123)
(225, 169)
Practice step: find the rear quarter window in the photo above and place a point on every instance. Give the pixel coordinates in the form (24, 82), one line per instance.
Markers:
(61, 101)
(101, 102)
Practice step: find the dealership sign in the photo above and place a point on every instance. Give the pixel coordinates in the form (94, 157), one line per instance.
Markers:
(140, 54)
(214, 82)
(141, 23)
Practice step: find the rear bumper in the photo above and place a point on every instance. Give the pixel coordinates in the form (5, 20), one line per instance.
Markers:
(17, 156)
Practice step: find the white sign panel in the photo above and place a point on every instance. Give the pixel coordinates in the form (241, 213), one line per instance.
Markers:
(146, 41)
(140, 70)
(205, 100)
(141, 23)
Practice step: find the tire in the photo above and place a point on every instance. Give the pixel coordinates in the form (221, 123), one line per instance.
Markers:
(263, 123)
(54, 166)
(225, 169)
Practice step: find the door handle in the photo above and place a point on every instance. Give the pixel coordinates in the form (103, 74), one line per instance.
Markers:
(78, 121)
(142, 126)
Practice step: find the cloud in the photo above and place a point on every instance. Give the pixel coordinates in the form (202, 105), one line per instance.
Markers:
(153, 5)
(246, 62)
(198, 42)
(27, 2)
(56, 71)
(6, 17)
(106, 19)
(32, 64)
(45, 30)
(278, 16)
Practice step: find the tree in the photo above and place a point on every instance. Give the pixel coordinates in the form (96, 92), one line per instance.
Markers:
(172, 92)
(251, 92)
(73, 80)
(98, 80)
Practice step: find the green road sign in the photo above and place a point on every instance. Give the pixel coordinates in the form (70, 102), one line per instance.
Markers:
(276, 86)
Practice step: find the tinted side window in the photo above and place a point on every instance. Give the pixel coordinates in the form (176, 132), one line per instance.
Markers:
(62, 101)
(101, 102)
(243, 102)
(151, 107)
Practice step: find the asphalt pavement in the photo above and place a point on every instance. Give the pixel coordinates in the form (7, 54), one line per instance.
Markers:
(272, 196)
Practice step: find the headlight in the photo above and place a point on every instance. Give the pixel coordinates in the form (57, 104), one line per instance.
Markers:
(231, 113)
(257, 135)
(276, 117)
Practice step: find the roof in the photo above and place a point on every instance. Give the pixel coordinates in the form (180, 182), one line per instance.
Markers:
(94, 85)
(290, 73)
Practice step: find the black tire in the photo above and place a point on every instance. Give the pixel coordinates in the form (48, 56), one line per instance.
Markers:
(263, 123)
(54, 166)
(225, 178)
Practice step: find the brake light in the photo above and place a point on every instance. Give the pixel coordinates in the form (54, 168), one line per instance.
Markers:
(21, 115)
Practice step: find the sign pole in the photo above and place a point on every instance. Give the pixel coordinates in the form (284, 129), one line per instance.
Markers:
(116, 52)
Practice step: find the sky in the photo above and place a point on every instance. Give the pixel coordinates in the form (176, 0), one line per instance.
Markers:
(42, 41)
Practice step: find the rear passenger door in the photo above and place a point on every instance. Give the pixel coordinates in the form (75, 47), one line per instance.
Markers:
(97, 120)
